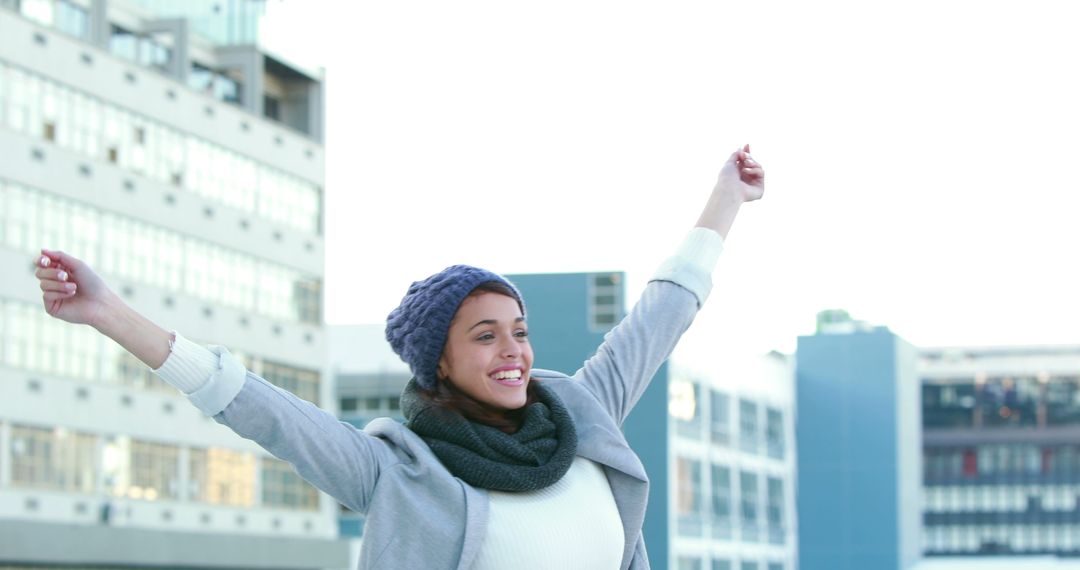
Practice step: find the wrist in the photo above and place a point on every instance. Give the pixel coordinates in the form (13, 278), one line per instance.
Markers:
(111, 316)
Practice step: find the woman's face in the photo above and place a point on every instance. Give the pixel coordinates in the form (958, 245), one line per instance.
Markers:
(487, 354)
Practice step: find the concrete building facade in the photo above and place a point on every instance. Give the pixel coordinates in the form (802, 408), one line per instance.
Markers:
(189, 173)
(859, 455)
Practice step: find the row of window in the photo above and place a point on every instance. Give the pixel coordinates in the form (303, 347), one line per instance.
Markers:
(693, 413)
(1002, 401)
(98, 129)
(1047, 499)
(121, 466)
(705, 499)
(370, 406)
(605, 301)
(132, 249)
(1001, 462)
(1002, 539)
(33, 341)
(69, 16)
(694, 563)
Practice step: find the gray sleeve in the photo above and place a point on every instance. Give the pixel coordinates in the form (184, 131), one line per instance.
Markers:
(336, 457)
(632, 352)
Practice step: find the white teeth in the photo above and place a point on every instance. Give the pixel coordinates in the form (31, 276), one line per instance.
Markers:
(507, 374)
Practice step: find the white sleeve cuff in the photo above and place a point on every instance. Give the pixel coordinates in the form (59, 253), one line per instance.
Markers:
(189, 365)
(693, 263)
(209, 376)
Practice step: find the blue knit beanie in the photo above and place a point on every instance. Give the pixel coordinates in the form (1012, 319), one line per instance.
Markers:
(417, 328)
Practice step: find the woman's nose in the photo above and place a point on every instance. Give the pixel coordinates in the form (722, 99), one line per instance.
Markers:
(511, 349)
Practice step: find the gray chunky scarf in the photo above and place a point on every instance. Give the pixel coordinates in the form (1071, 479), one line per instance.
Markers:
(534, 457)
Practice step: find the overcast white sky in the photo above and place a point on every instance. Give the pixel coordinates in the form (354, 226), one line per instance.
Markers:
(920, 156)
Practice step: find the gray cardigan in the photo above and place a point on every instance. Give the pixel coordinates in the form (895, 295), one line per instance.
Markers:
(418, 514)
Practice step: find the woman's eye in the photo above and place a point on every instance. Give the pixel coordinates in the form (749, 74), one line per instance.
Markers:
(521, 334)
(486, 336)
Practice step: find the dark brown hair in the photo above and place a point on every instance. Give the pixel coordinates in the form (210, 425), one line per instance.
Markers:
(448, 396)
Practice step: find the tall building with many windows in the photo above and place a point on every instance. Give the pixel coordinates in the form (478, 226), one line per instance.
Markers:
(733, 487)
(187, 168)
(1001, 450)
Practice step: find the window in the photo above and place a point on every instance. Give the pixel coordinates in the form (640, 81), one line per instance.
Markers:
(721, 502)
(153, 53)
(748, 491)
(308, 299)
(123, 43)
(130, 371)
(748, 425)
(689, 496)
(1009, 401)
(720, 418)
(282, 487)
(221, 476)
(774, 433)
(948, 404)
(145, 253)
(605, 301)
(684, 407)
(272, 107)
(1063, 400)
(155, 471)
(774, 510)
(53, 458)
(227, 89)
(721, 564)
(689, 563)
(300, 381)
(347, 405)
(72, 19)
(99, 130)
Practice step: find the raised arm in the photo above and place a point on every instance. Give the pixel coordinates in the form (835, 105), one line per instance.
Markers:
(337, 458)
(71, 291)
(631, 352)
(741, 180)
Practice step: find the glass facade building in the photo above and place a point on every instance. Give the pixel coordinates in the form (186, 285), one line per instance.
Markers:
(1001, 450)
(202, 211)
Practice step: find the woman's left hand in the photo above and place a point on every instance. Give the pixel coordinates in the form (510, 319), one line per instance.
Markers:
(742, 176)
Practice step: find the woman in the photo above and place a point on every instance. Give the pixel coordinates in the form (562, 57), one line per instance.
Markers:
(497, 464)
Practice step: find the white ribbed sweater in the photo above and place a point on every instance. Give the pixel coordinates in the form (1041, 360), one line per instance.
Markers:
(574, 523)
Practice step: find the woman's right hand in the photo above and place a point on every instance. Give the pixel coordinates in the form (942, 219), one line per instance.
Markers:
(71, 291)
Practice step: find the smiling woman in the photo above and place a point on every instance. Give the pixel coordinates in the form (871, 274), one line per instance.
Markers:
(497, 461)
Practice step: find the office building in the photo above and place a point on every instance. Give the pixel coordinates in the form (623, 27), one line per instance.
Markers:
(858, 441)
(188, 170)
(1001, 450)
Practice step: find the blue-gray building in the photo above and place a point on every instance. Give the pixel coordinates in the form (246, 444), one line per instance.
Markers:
(859, 451)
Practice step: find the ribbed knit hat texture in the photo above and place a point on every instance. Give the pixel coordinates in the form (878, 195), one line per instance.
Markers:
(418, 327)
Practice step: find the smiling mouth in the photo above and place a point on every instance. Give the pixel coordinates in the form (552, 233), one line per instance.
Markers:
(509, 377)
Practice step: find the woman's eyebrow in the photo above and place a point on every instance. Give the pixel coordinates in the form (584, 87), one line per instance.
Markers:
(493, 321)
